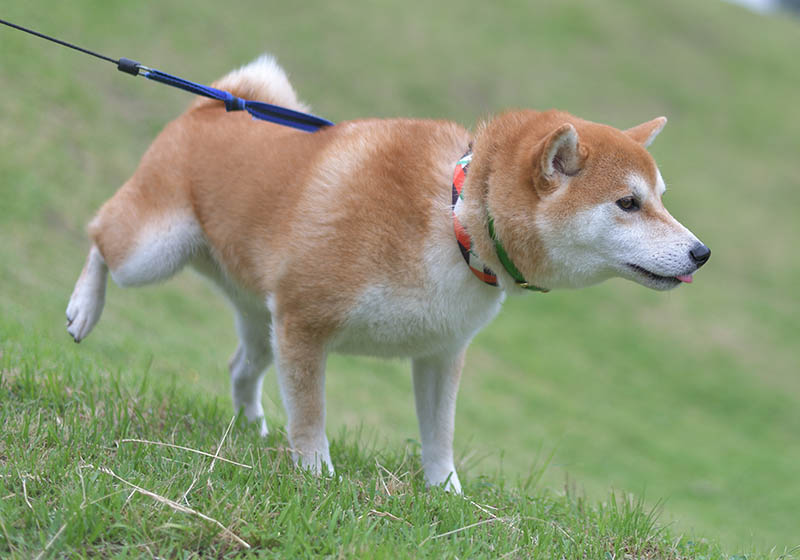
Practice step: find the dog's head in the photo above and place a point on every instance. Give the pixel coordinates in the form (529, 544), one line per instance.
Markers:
(577, 202)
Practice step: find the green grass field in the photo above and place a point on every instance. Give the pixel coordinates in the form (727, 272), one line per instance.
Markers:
(689, 399)
(90, 476)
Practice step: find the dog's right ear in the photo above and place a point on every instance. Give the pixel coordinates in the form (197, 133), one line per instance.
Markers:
(645, 133)
(561, 155)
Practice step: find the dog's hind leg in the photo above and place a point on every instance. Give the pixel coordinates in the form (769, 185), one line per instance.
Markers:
(157, 249)
(143, 234)
(300, 364)
(253, 354)
(436, 381)
(248, 364)
(88, 296)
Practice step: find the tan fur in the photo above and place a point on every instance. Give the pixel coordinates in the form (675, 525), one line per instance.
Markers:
(343, 239)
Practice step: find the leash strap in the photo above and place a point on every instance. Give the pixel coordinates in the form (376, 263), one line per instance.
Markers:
(258, 109)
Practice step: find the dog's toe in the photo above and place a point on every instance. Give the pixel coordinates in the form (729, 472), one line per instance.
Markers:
(75, 328)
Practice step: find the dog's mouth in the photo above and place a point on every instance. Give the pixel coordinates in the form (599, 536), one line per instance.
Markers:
(670, 280)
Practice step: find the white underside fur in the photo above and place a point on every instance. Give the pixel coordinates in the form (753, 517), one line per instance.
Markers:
(439, 316)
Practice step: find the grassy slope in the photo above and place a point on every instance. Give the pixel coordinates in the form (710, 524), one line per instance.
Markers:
(66, 485)
(689, 396)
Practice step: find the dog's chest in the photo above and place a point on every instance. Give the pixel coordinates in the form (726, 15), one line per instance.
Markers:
(441, 313)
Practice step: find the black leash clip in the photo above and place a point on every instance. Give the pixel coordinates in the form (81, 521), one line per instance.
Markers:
(128, 66)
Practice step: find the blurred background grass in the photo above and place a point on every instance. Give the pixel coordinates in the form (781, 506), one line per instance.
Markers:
(691, 396)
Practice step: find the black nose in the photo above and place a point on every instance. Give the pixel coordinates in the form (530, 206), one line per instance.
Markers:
(700, 254)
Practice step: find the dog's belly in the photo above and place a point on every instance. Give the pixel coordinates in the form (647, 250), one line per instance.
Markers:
(390, 324)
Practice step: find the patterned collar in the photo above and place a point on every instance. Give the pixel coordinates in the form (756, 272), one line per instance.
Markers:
(476, 265)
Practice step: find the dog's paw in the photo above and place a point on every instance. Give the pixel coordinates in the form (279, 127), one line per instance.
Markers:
(263, 430)
(446, 478)
(84, 310)
(316, 462)
(255, 415)
(453, 484)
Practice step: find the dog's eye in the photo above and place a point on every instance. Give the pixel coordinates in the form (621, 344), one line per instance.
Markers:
(628, 203)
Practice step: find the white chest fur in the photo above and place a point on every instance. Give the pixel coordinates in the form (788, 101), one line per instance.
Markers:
(421, 316)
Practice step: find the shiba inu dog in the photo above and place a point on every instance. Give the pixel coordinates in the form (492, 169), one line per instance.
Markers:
(391, 237)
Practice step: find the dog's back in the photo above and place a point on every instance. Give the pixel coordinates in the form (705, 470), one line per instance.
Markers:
(264, 197)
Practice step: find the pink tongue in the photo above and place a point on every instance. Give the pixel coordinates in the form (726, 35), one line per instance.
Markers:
(685, 278)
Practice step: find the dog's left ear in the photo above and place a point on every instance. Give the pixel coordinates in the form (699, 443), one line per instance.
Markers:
(561, 153)
(645, 133)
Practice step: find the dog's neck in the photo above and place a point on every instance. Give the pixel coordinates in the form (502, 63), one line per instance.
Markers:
(470, 248)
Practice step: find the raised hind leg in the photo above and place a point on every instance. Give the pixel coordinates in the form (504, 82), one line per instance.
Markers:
(140, 240)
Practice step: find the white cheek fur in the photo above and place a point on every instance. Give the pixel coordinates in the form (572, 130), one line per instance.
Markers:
(594, 245)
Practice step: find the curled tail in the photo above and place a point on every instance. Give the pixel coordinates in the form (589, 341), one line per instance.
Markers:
(261, 80)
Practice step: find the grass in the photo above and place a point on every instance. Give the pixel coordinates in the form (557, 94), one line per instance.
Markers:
(89, 469)
(688, 399)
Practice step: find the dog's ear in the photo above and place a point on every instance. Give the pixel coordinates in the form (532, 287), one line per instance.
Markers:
(645, 133)
(561, 154)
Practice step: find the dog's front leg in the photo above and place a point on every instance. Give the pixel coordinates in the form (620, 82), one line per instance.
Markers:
(435, 387)
(300, 363)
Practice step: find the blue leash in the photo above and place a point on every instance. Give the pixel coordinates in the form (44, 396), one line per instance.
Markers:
(259, 110)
